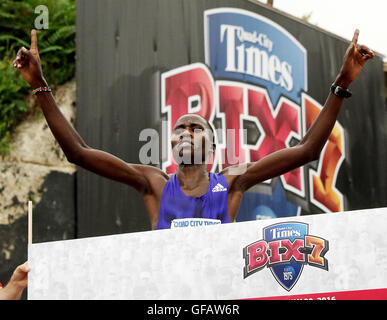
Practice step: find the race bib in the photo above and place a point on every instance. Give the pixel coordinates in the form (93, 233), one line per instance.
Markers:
(193, 222)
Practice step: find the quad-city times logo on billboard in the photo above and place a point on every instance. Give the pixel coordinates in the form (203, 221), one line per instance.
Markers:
(285, 249)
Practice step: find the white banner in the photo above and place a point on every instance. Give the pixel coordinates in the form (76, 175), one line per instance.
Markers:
(324, 253)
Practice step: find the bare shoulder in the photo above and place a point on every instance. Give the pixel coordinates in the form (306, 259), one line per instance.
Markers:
(233, 175)
(151, 171)
(155, 177)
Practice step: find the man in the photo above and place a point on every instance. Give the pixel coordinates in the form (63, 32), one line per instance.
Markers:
(18, 282)
(192, 192)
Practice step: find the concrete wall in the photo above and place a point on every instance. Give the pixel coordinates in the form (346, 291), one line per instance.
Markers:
(36, 170)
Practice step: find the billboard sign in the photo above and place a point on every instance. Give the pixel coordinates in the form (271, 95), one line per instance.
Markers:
(253, 90)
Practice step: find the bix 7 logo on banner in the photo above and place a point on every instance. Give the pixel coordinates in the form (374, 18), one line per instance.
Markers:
(285, 249)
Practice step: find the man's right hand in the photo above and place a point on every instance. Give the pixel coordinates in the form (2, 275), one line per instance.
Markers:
(28, 62)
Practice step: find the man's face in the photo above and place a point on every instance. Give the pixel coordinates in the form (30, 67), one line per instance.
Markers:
(191, 140)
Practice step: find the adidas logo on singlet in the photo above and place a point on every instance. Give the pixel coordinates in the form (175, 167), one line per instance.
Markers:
(219, 188)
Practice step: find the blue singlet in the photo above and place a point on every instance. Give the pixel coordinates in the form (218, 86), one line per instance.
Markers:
(175, 204)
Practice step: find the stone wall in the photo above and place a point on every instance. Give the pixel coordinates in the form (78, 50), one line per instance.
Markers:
(36, 170)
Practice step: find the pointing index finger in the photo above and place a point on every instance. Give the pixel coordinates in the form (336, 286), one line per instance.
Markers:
(355, 37)
(34, 42)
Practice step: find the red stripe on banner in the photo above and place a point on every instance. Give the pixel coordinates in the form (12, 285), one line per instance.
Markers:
(372, 294)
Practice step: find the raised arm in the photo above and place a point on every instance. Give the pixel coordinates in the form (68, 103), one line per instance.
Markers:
(311, 145)
(75, 149)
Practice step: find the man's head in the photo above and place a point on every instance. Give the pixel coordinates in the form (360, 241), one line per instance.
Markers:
(193, 140)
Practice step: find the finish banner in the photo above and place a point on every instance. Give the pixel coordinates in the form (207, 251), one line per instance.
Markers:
(322, 257)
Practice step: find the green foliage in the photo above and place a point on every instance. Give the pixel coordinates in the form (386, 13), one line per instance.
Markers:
(13, 88)
(56, 48)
